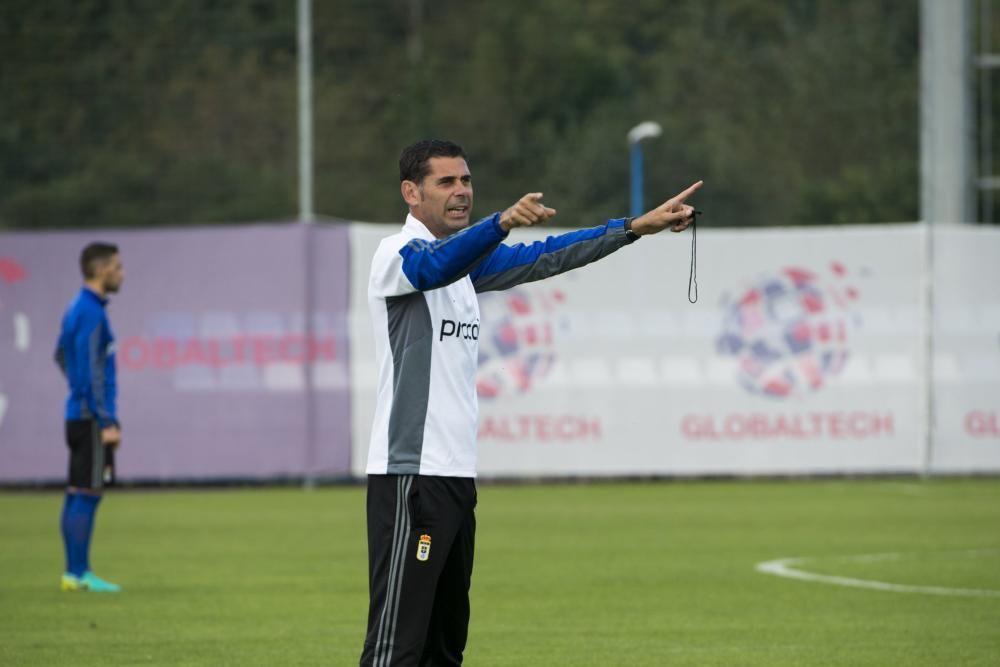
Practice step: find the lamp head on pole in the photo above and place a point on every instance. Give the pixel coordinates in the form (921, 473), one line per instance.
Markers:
(645, 130)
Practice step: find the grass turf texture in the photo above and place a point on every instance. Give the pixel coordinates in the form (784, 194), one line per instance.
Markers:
(600, 574)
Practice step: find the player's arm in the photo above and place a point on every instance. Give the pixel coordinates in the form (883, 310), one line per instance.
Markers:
(423, 265)
(112, 436)
(88, 351)
(60, 357)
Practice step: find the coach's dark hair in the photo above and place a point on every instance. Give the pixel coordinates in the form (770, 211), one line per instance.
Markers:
(94, 254)
(413, 161)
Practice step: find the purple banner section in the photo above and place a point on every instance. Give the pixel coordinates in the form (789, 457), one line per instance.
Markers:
(221, 374)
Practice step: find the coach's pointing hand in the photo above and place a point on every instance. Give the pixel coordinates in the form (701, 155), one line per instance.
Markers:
(529, 210)
(673, 213)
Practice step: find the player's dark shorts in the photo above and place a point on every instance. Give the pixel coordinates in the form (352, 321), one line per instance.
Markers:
(91, 463)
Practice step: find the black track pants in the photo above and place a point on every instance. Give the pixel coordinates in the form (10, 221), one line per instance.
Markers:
(421, 539)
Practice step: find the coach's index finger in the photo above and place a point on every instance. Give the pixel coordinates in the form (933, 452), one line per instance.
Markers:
(687, 193)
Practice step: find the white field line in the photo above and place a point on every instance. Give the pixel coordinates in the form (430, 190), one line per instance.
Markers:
(787, 567)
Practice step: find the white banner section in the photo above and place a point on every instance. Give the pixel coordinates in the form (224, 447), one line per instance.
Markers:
(967, 349)
(805, 353)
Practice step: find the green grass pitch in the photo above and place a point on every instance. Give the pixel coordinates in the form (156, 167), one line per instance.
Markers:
(572, 574)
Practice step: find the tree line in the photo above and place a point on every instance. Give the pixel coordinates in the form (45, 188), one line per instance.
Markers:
(139, 113)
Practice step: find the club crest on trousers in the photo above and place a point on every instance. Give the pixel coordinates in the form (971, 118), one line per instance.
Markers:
(424, 548)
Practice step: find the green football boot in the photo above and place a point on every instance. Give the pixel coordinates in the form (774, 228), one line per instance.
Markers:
(95, 584)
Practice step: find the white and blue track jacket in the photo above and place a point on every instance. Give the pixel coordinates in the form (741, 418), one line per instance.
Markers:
(422, 296)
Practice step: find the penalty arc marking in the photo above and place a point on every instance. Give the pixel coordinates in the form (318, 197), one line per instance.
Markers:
(788, 567)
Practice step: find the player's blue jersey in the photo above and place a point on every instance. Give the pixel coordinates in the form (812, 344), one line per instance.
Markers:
(86, 354)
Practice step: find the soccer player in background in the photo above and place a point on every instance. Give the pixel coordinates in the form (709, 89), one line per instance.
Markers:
(85, 353)
(422, 456)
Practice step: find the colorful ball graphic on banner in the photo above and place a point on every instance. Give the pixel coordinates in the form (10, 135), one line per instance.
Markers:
(790, 332)
(517, 343)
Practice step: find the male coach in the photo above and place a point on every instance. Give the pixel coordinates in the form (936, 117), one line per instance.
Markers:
(85, 353)
(422, 457)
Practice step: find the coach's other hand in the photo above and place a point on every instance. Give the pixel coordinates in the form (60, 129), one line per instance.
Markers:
(673, 213)
(529, 210)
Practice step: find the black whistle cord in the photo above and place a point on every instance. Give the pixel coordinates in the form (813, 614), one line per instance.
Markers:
(693, 275)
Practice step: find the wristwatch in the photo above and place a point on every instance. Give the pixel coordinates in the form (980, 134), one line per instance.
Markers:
(629, 234)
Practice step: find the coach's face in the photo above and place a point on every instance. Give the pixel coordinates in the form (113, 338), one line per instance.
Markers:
(443, 199)
(111, 274)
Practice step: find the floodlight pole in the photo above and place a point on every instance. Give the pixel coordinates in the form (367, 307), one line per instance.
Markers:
(946, 167)
(306, 218)
(946, 120)
(306, 213)
(645, 130)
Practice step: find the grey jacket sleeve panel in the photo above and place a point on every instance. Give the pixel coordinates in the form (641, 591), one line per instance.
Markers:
(508, 266)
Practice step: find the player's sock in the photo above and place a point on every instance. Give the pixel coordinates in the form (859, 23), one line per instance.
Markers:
(64, 529)
(81, 526)
(92, 512)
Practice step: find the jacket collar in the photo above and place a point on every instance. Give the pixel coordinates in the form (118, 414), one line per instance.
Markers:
(417, 228)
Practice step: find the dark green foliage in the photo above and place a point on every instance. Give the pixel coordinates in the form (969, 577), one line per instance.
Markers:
(175, 112)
